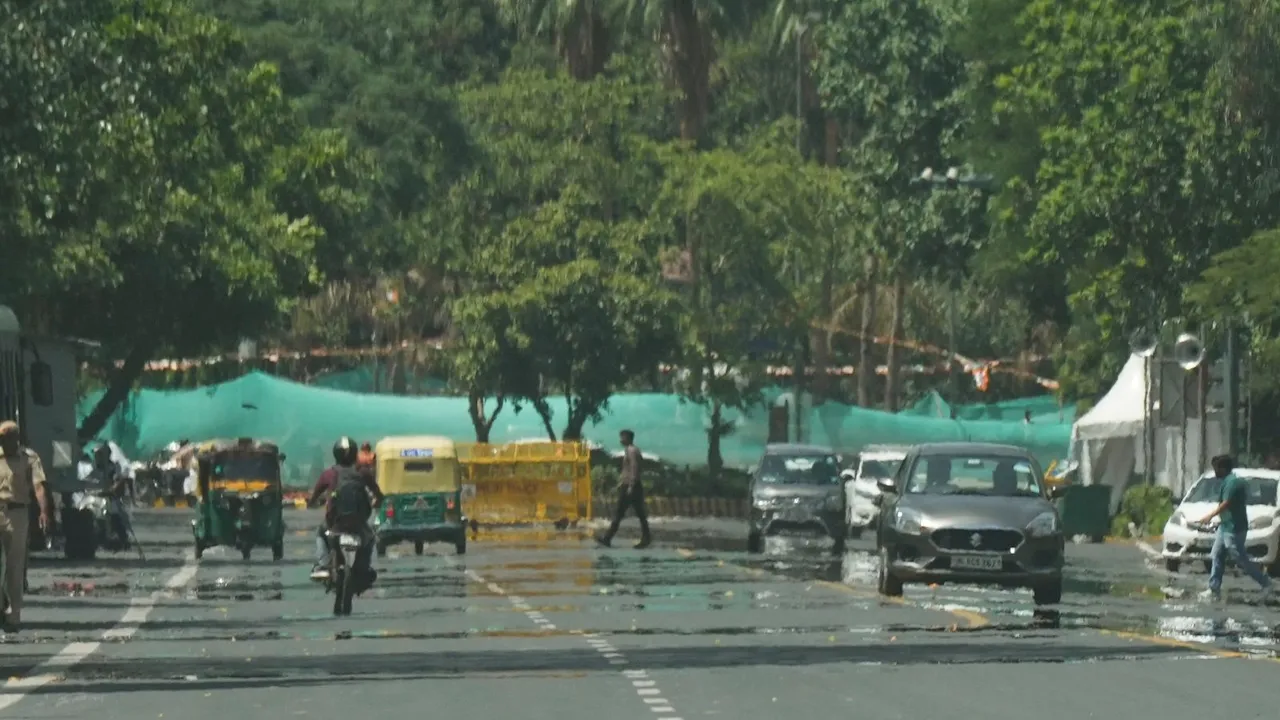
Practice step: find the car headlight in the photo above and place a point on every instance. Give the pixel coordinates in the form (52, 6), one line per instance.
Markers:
(908, 522)
(1262, 523)
(1044, 524)
(763, 503)
(1178, 520)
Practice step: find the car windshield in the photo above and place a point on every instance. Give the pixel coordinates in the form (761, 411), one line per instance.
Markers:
(1262, 491)
(800, 469)
(879, 468)
(974, 474)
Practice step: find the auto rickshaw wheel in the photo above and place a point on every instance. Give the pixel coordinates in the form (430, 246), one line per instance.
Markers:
(418, 547)
(461, 544)
(277, 550)
(245, 552)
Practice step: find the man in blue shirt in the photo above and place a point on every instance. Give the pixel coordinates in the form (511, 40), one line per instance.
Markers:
(1233, 509)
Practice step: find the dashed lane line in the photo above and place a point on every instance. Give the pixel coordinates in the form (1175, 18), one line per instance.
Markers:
(15, 689)
(646, 687)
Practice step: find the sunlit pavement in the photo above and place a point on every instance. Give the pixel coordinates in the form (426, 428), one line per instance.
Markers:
(531, 624)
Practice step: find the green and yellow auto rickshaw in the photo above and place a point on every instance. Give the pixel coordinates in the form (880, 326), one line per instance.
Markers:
(239, 502)
(422, 481)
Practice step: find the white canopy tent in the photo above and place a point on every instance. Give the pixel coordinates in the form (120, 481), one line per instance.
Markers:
(1108, 443)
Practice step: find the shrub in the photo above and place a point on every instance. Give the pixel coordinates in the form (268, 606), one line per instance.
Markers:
(1148, 507)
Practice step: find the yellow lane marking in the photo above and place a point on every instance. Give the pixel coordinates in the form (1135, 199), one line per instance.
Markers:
(1187, 645)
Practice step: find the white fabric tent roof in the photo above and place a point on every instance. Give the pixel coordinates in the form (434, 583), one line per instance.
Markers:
(1119, 413)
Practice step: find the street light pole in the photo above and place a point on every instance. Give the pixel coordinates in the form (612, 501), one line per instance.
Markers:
(951, 180)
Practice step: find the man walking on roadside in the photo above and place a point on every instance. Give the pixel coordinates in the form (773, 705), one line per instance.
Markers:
(1233, 509)
(630, 493)
(21, 479)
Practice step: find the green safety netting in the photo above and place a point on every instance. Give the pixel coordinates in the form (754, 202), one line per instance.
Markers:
(362, 380)
(1044, 409)
(305, 420)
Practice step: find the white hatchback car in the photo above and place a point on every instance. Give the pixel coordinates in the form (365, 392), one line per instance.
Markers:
(860, 490)
(1185, 540)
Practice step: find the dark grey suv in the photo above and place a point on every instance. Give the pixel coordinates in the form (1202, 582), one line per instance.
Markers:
(796, 488)
(970, 513)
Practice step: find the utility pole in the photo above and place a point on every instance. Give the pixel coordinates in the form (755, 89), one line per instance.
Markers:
(1231, 387)
(951, 180)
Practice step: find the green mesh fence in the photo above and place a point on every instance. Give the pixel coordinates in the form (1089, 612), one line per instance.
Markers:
(369, 379)
(305, 420)
(1043, 408)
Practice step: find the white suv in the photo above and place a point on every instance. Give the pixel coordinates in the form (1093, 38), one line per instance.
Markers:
(860, 491)
(1185, 540)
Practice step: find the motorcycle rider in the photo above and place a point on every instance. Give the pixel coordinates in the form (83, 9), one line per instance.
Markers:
(115, 484)
(343, 471)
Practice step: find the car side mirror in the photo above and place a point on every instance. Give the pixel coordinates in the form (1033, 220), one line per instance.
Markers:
(886, 485)
(1057, 491)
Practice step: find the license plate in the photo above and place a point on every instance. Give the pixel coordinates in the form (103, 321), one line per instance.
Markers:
(349, 541)
(976, 562)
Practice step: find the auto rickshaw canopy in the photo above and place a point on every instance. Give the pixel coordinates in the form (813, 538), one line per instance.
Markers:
(243, 465)
(417, 464)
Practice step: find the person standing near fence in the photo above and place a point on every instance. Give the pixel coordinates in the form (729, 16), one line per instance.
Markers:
(630, 493)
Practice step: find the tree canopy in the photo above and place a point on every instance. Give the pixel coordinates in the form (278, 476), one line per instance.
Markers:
(578, 198)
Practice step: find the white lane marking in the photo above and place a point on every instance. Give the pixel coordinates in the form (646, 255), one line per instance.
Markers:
(642, 684)
(139, 609)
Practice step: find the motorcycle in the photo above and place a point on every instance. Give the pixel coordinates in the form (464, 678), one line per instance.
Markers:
(93, 521)
(347, 577)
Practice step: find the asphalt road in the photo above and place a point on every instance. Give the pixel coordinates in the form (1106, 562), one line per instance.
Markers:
(545, 624)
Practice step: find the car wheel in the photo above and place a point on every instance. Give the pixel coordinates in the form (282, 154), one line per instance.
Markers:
(755, 542)
(1172, 565)
(888, 584)
(1049, 593)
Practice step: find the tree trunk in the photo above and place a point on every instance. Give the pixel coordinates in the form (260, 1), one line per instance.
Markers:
(483, 423)
(689, 49)
(891, 376)
(820, 339)
(715, 460)
(544, 411)
(577, 420)
(866, 358)
(586, 47)
(121, 383)
(832, 144)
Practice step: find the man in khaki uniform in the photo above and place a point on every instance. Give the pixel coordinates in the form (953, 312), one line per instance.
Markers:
(21, 479)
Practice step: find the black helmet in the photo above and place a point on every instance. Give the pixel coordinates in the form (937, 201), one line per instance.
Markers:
(344, 451)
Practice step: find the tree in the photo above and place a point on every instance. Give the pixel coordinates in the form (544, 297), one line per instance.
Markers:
(578, 28)
(1139, 179)
(561, 292)
(199, 168)
(758, 212)
(891, 77)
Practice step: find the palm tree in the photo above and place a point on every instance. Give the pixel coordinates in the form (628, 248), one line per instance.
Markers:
(686, 32)
(578, 28)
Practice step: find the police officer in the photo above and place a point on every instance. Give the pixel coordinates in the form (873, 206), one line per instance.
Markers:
(21, 479)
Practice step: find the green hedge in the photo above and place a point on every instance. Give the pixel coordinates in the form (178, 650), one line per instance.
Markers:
(1148, 507)
(676, 481)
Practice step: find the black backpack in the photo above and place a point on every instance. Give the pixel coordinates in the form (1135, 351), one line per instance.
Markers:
(351, 503)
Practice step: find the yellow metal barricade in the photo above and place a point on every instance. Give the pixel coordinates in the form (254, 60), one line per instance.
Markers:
(526, 482)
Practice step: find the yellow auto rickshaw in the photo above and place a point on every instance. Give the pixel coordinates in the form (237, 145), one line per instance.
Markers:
(422, 481)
